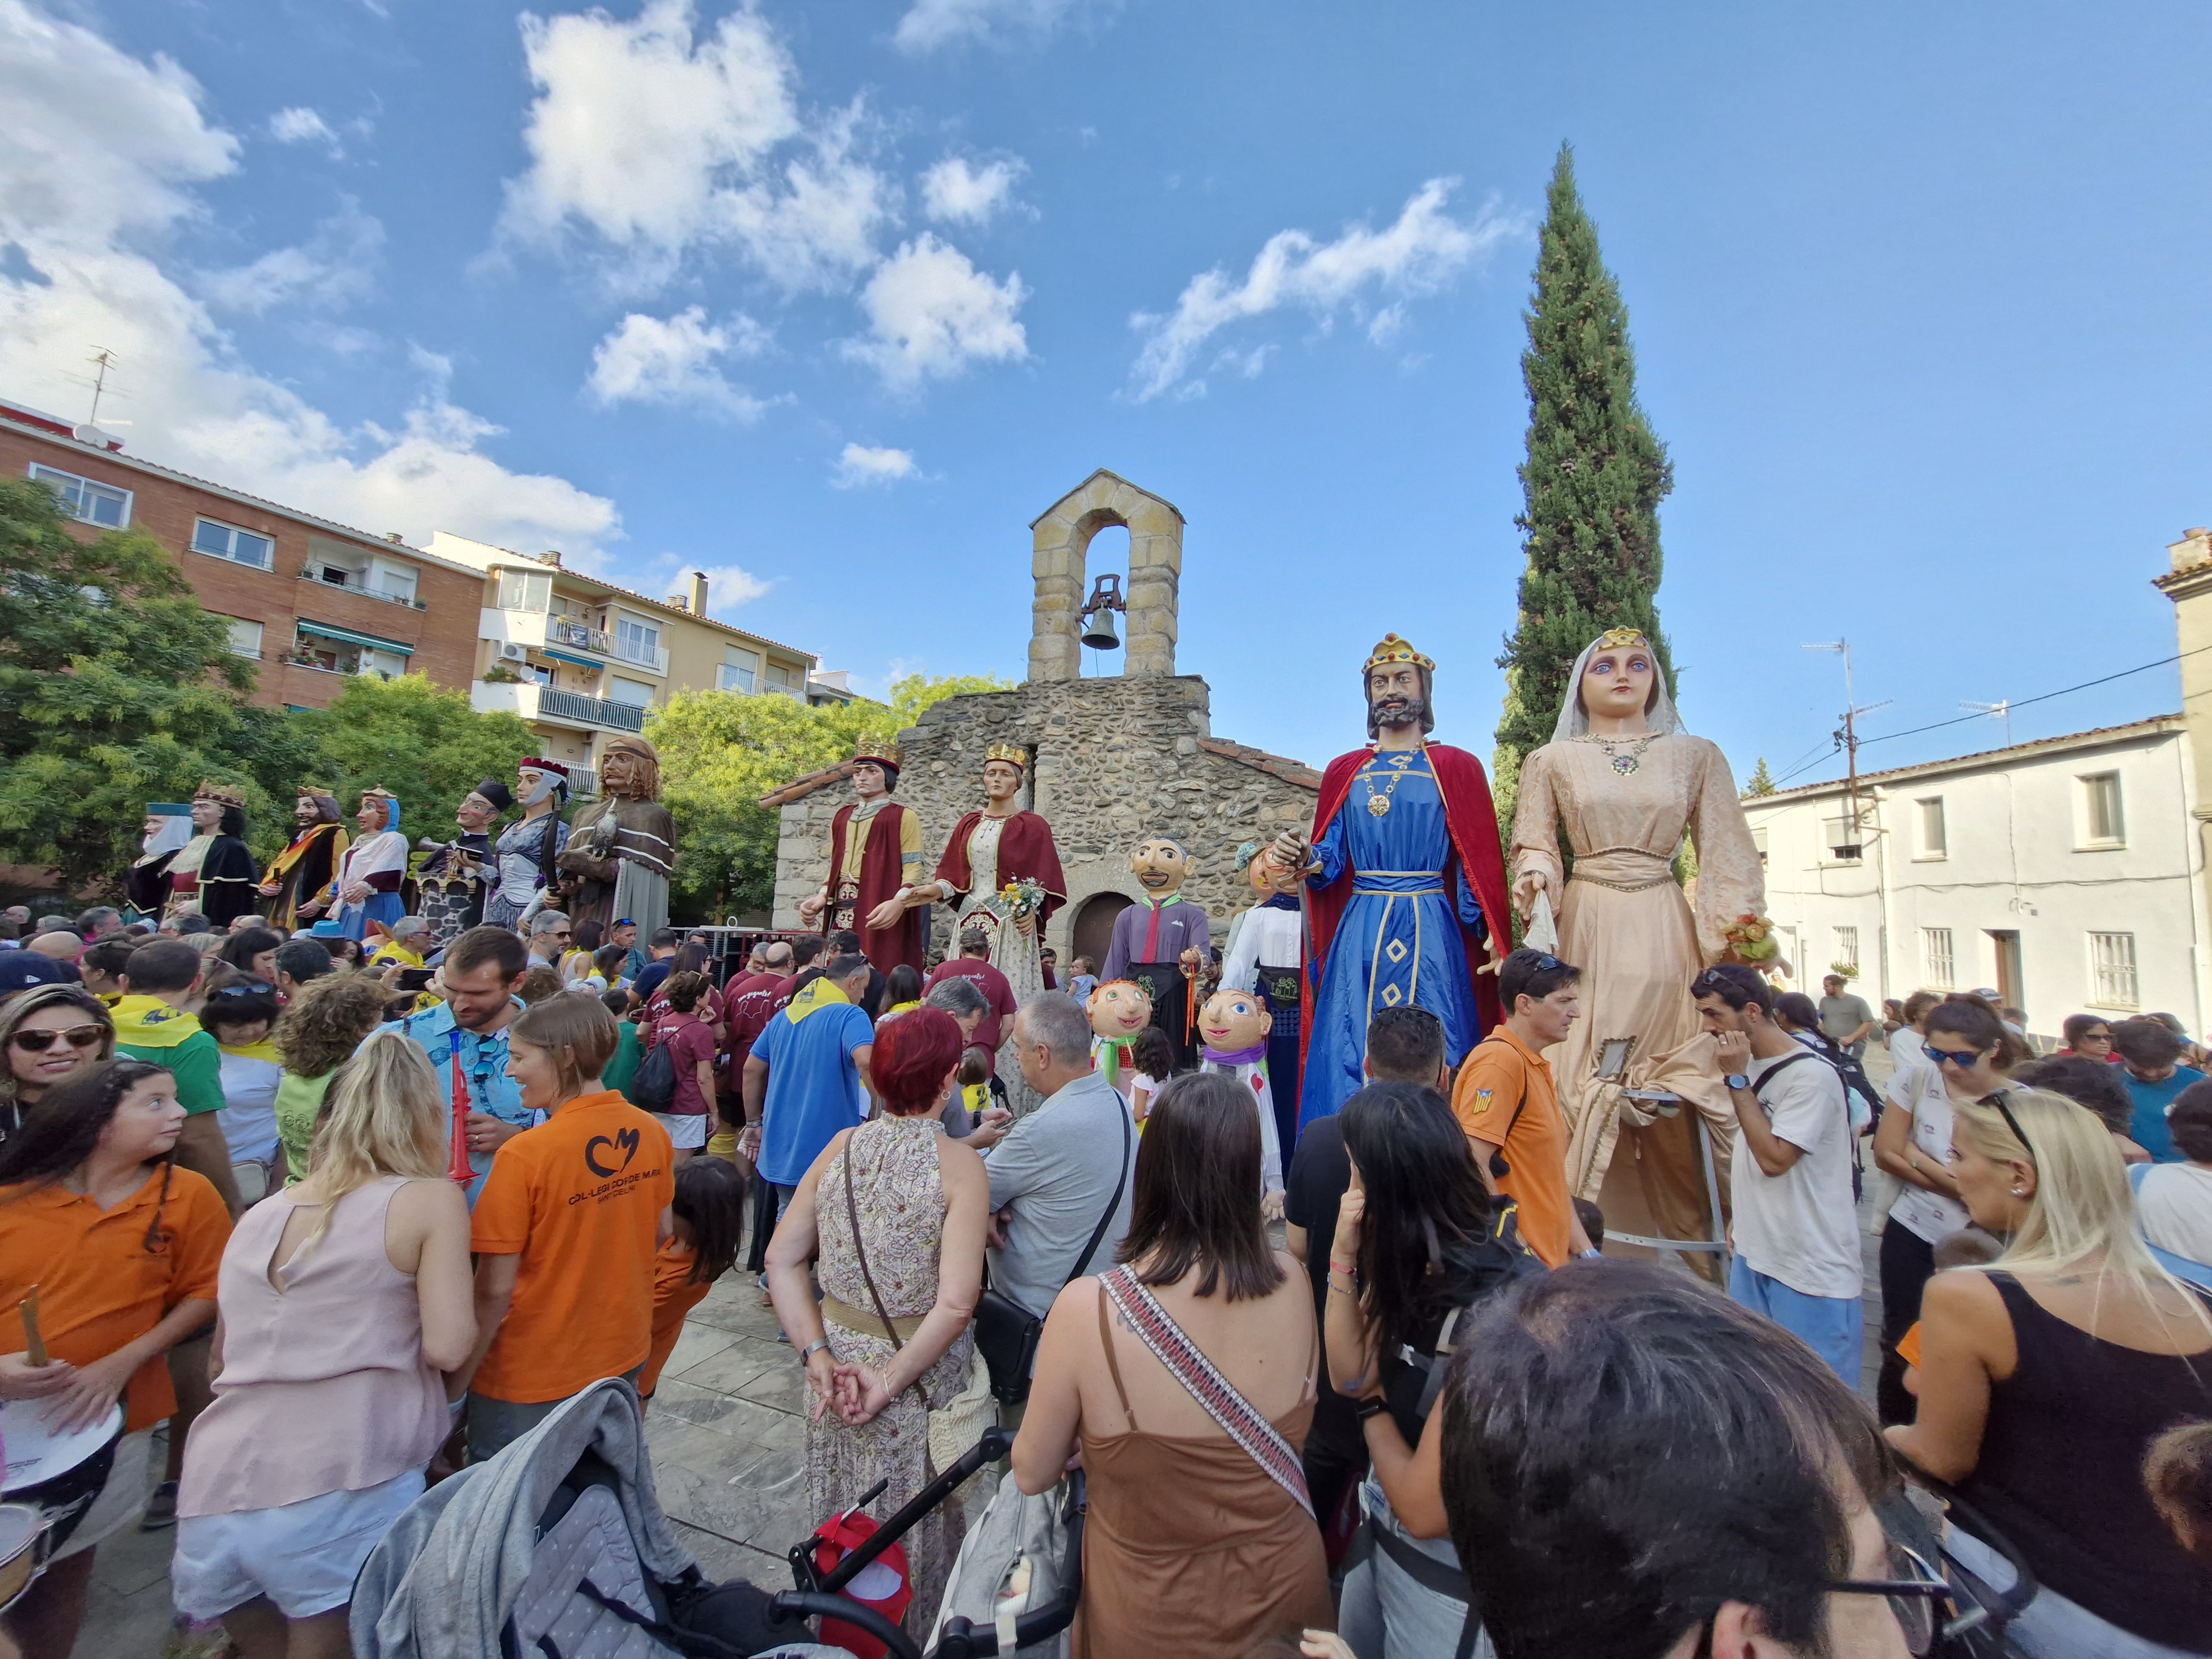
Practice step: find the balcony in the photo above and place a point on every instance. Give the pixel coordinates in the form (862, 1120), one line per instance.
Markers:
(553, 707)
(351, 581)
(565, 636)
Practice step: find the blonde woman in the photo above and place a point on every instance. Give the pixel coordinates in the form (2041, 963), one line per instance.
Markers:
(2045, 1376)
(342, 1300)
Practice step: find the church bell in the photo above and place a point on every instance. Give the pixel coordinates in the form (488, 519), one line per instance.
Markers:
(1098, 615)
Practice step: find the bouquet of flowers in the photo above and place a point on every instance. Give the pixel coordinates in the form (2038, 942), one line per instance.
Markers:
(1751, 939)
(1016, 900)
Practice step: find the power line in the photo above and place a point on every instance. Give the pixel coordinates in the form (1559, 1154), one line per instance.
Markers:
(2023, 702)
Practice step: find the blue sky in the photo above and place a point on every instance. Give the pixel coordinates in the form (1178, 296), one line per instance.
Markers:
(833, 298)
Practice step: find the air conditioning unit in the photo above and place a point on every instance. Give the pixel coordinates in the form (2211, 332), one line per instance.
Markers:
(514, 653)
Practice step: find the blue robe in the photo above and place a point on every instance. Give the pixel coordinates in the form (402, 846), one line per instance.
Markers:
(1400, 939)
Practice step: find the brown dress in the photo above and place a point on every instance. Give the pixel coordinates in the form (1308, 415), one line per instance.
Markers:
(1190, 1547)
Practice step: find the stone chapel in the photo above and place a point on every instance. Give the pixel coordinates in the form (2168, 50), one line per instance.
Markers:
(1114, 758)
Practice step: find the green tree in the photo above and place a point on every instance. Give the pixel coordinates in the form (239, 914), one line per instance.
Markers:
(720, 752)
(427, 746)
(1762, 780)
(1591, 485)
(119, 690)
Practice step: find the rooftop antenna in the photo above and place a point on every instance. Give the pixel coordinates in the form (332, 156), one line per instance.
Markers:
(1995, 711)
(103, 360)
(1849, 739)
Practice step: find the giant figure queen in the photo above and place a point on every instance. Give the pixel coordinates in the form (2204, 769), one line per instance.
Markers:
(1624, 782)
(1405, 885)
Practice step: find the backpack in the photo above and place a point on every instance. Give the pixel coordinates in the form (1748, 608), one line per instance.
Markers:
(653, 1085)
(1843, 1067)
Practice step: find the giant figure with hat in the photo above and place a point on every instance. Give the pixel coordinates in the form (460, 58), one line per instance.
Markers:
(457, 876)
(1405, 884)
(373, 869)
(301, 883)
(525, 852)
(874, 886)
(621, 848)
(212, 874)
(168, 826)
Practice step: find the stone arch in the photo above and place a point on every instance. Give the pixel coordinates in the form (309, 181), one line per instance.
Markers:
(1060, 539)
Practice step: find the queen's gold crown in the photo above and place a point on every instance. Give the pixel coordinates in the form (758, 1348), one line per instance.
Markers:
(229, 794)
(1613, 638)
(1390, 649)
(1011, 754)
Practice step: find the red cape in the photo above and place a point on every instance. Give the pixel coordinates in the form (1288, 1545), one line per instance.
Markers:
(1472, 822)
(881, 877)
(1025, 851)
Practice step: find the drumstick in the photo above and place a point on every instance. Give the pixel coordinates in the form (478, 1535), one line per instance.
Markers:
(34, 1345)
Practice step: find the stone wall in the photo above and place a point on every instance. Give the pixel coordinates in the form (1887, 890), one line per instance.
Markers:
(1114, 759)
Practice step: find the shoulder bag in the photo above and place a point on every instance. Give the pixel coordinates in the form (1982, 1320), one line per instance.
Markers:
(1006, 1332)
(653, 1085)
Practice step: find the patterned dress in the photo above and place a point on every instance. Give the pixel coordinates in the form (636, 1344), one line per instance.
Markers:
(901, 1210)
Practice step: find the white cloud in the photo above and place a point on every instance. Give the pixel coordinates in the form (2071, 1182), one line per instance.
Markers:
(656, 142)
(861, 465)
(649, 360)
(1418, 254)
(99, 157)
(957, 192)
(729, 586)
(931, 312)
(929, 24)
(329, 271)
(302, 125)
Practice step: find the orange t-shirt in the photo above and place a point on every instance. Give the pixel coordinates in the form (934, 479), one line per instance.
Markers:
(578, 1199)
(1908, 1347)
(1489, 1087)
(674, 1295)
(99, 1285)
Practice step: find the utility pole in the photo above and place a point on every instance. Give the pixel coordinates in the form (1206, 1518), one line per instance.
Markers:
(1849, 738)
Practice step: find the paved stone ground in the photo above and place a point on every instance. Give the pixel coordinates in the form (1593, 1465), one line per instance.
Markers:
(728, 1443)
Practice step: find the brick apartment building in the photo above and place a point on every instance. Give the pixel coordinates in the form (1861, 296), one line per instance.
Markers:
(310, 601)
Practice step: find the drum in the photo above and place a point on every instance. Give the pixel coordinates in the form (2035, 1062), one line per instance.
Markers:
(58, 1473)
(23, 1550)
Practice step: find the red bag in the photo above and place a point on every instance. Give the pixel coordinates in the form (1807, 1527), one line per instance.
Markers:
(882, 1584)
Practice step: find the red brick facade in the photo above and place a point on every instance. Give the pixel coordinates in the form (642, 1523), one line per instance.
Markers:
(440, 627)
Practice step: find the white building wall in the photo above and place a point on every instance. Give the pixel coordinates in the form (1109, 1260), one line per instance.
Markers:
(2018, 858)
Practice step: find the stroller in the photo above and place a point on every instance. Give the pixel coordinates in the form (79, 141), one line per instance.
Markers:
(557, 1548)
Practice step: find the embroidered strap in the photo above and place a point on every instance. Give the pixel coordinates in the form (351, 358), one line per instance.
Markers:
(1239, 1418)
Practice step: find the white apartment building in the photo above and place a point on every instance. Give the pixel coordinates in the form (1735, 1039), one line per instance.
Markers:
(2065, 874)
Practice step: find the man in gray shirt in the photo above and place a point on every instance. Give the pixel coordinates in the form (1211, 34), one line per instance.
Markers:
(1846, 1017)
(1055, 1173)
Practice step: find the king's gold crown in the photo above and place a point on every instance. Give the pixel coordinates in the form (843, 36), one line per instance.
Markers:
(1392, 649)
(1008, 752)
(877, 749)
(229, 794)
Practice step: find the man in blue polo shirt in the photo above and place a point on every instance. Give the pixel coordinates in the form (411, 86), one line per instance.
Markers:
(467, 1033)
(807, 1076)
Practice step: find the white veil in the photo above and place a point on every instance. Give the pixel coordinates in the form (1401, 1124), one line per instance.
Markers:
(1574, 718)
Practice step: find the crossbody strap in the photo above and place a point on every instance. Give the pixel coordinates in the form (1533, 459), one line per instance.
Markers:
(1238, 1417)
(859, 1251)
(1112, 1205)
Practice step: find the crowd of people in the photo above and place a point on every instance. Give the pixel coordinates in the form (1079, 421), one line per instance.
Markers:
(331, 1222)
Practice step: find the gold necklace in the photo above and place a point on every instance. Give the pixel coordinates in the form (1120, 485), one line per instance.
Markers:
(1379, 805)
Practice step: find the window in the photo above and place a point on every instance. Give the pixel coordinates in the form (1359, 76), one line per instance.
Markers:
(2112, 971)
(2104, 823)
(223, 541)
(389, 664)
(1839, 837)
(635, 693)
(1942, 966)
(95, 503)
(245, 637)
(392, 581)
(636, 641)
(740, 670)
(1935, 841)
(1847, 947)
(524, 590)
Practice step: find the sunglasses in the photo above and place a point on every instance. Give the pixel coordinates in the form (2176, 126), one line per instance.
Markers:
(1913, 1589)
(2012, 1124)
(1958, 1057)
(77, 1036)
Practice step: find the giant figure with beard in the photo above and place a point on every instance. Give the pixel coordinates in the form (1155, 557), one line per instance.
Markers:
(1405, 885)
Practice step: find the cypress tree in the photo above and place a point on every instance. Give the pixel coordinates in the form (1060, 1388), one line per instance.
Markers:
(1762, 780)
(1591, 485)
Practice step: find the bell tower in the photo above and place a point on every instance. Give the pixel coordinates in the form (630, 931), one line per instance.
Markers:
(1061, 540)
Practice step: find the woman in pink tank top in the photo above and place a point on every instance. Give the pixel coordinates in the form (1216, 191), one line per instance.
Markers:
(342, 1301)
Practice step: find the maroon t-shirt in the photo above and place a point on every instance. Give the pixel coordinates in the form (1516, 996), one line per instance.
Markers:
(750, 1000)
(689, 1041)
(992, 1030)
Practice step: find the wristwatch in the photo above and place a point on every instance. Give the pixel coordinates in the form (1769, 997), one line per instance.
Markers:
(1367, 1408)
(1736, 1081)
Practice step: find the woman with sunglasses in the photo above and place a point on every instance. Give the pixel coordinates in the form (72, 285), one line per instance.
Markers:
(1969, 1053)
(50, 1033)
(2046, 1376)
(2087, 1037)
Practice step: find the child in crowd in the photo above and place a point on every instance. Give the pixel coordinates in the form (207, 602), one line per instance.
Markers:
(709, 1215)
(539, 983)
(628, 1051)
(315, 1036)
(565, 1230)
(2178, 1472)
(239, 1013)
(343, 1299)
(124, 1245)
(902, 992)
(1084, 978)
(1152, 1062)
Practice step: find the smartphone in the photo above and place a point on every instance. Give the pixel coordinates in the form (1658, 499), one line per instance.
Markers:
(414, 979)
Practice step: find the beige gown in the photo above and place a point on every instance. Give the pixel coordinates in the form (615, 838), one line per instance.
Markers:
(1627, 925)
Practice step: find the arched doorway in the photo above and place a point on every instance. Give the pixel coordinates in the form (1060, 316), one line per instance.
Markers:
(1093, 932)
